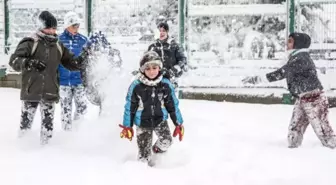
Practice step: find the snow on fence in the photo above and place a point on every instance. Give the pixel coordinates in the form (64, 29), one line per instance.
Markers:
(118, 19)
(249, 9)
(316, 1)
(23, 16)
(42, 4)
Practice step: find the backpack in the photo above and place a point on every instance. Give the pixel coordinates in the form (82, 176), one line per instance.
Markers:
(36, 43)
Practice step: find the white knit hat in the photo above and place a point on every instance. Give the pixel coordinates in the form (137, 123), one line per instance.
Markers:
(71, 18)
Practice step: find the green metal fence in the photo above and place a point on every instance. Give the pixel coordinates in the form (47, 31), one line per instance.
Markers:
(131, 19)
(124, 21)
(21, 17)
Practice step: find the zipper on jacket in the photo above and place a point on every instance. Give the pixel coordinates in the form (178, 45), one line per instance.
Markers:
(42, 73)
(69, 77)
(153, 106)
(70, 46)
(162, 52)
(28, 84)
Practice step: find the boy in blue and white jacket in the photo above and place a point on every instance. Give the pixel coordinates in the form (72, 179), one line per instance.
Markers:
(71, 82)
(150, 99)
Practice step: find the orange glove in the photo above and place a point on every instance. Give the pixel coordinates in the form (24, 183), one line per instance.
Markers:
(127, 132)
(179, 130)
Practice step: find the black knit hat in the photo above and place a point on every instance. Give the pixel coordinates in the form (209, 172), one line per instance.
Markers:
(164, 26)
(301, 40)
(150, 57)
(47, 20)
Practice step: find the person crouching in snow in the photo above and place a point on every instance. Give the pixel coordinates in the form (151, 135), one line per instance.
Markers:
(71, 82)
(311, 106)
(149, 100)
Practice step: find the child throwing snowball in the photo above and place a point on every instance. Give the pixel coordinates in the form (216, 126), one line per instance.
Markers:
(311, 106)
(149, 100)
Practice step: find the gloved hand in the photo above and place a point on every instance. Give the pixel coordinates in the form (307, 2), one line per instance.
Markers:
(127, 132)
(83, 57)
(252, 80)
(183, 66)
(34, 64)
(176, 71)
(86, 51)
(179, 130)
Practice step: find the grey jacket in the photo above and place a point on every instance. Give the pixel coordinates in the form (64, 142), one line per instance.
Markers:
(44, 85)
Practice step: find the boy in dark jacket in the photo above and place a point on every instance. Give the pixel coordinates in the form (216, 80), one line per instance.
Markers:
(149, 100)
(311, 106)
(172, 55)
(37, 58)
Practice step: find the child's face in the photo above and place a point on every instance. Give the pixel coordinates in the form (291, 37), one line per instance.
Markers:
(73, 28)
(152, 71)
(163, 34)
(290, 44)
(49, 31)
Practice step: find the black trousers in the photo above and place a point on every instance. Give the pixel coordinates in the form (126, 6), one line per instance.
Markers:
(145, 139)
(47, 110)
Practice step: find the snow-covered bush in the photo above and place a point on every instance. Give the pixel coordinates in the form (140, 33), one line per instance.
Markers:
(244, 37)
(318, 20)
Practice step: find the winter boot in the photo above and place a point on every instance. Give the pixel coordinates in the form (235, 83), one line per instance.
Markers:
(22, 132)
(45, 136)
(67, 127)
(157, 150)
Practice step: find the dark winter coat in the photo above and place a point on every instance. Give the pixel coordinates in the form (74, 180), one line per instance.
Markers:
(170, 52)
(37, 86)
(74, 43)
(147, 106)
(300, 70)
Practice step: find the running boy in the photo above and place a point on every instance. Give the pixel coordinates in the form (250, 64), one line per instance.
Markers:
(149, 100)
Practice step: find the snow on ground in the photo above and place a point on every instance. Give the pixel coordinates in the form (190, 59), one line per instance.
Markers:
(4, 59)
(225, 143)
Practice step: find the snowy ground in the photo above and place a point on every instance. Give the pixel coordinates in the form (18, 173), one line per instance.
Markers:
(231, 144)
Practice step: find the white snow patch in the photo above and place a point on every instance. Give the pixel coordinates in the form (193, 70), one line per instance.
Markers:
(226, 143)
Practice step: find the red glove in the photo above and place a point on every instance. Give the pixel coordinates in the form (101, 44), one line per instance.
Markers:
(127, 132)
(179, 130)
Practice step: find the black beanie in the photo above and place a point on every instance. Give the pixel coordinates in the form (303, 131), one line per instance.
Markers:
(47, 20)
(164, 26)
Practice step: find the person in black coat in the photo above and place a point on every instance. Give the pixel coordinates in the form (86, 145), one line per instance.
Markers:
(311, 106)
(172, 55)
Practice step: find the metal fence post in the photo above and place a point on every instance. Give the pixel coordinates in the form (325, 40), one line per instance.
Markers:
(181, 9)
(89, 16)
(6, 48)
(291, 16)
